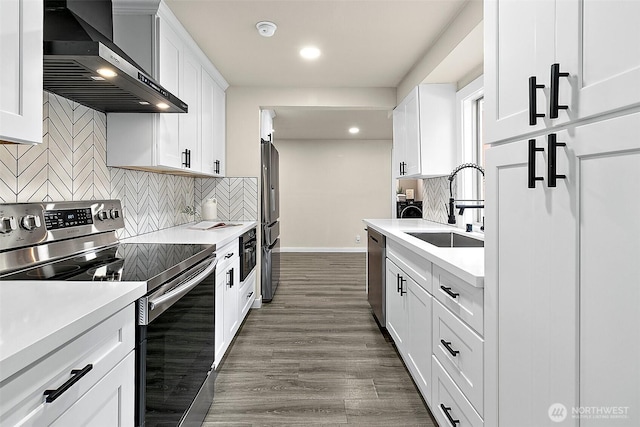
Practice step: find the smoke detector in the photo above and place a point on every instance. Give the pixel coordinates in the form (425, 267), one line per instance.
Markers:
(266, 28)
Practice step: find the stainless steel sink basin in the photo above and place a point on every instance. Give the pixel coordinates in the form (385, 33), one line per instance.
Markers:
(449, 240)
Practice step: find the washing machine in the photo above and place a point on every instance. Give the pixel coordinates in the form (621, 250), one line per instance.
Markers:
(409, 209)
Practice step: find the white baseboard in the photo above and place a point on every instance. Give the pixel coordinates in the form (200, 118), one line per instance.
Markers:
(363, 249)
(257, 303)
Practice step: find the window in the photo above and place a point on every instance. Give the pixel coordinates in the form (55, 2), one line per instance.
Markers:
(470, 183)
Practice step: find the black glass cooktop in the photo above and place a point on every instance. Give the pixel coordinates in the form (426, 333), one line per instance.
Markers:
(127, 262)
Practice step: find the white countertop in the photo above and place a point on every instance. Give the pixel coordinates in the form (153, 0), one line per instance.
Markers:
(37, 317)
(466, 263)
(185, 234)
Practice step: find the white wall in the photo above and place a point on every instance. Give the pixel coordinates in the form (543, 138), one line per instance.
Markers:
(327, 187)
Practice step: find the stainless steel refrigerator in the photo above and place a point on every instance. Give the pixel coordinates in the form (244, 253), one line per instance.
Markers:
(270, 225)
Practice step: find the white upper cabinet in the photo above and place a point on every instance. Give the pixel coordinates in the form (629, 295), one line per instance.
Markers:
(21, 23)
(424, 132)
(184, 143)
(212, 105)
(595, 43)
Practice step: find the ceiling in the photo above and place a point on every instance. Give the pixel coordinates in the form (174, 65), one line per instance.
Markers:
(364, 43)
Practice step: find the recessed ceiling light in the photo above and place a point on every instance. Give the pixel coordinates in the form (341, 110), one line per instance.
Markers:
(106, 72)
(354, 130)
(162, 105)
(310, 52)
(143, 103)
(97, 78)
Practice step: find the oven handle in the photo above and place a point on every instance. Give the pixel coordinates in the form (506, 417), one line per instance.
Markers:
(184, 288)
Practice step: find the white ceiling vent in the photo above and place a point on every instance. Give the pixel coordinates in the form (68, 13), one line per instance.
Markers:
(266, 28)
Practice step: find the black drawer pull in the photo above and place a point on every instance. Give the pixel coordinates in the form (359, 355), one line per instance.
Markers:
(398, 282)
(555, 91)
(402, 291)
(227, 256)
(250, 295)
(448, 292)
(532, 164)
(553, 144)
(449, 417)
(76, 374)
(447, 345)
(533, 101)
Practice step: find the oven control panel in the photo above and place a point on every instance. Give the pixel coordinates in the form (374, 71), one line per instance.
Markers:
(28, 224)
(67, 218)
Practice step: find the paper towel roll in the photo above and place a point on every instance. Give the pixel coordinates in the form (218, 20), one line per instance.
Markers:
(210, 209)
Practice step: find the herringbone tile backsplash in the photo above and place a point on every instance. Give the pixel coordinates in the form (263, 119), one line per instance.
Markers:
(71, 164)
(435, 199)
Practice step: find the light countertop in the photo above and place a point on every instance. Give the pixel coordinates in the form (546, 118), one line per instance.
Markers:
(466, 263)
(185, 234)
(37, 317)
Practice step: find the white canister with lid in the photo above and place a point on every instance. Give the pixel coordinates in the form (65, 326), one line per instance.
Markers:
(210, 209)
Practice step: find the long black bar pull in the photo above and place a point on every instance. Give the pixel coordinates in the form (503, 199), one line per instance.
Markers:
(533, 101)
(552, 145)
(448, 415)
(76, 374)
(555, 90)
(532, 163)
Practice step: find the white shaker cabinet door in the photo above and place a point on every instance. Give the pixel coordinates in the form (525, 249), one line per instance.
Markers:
(213, 126)
(519, 44)
(21, 71)
(598, 45)
(169, 75)
(396, 310)
(110, 402)
(530, 289)
(608, 165)
(190, 122)
(412, 149)
(419, 306)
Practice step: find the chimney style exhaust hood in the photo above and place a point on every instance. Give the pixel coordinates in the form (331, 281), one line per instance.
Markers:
(82, 63)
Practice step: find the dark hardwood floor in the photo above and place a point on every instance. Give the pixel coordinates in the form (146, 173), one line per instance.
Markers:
(315, 355)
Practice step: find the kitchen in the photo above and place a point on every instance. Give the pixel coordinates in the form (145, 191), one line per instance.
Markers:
(602, 94)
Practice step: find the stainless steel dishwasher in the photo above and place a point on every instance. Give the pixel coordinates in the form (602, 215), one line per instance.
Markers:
(376, 274)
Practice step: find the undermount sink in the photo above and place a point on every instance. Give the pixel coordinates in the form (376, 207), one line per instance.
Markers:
(449, 240)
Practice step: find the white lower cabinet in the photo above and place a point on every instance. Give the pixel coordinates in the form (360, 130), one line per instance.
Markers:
(408, 316)
(449, 405)
(233, 298)
(108, 403)
(93, 375)
(439, 335)
(459, 350)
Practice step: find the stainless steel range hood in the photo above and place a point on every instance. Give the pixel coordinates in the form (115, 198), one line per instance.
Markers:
(82, 63)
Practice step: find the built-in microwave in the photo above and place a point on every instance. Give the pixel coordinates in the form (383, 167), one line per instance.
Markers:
(247, 250)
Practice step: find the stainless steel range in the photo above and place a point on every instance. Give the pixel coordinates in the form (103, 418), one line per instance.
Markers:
(76, 241)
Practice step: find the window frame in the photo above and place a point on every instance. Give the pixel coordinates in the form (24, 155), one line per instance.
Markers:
(468, 132)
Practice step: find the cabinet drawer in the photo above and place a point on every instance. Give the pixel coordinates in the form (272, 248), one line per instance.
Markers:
(227, 254)
(246, 295)
(411, 263)
(103, 346)
(464, 300)
(448, 399)
(464, 356)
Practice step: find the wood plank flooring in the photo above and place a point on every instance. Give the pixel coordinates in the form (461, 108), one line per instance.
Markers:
(315, 355)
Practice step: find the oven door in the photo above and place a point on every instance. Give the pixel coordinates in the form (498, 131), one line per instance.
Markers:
(174, 350)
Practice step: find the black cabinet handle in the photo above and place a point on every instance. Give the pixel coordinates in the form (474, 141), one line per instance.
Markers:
(555, 83)
(76, 374)
(187, 158)
(374, 239)
(250, 295)
(230, 278)
(398, 282)
(533, 101)
(532, 163)
(402, 291)
(229, 255)
(448, 292)
(449, 417)
(552, 145)
(447, 345)
(216, 168)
